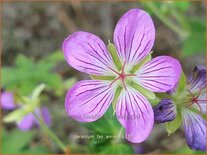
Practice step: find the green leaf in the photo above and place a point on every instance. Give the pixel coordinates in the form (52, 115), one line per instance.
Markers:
(39, 149)
(196, 42)
(182, 6)
(118, 149)
(107, 124)
(37, 91)
(184, 150)
(19, 142)
(56, 57)
(175, 124)
(16, 115)
(23, 62)
(15, 141)
(29, 74)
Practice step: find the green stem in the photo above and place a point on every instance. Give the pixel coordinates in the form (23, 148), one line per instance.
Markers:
(119, 135)
(166, 20)
(51, 133)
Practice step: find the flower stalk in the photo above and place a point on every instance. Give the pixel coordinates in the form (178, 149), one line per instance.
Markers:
(51, 134)
(117, 140)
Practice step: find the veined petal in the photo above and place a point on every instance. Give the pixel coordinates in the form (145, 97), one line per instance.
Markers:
(197, 79)
(201, 102)
(7, 101)
(165, 111)
(87, 53)
(197, 86)
(135, 113)
(27, 122)
(161, 74)
(195, 130)
(88, 100)
(134, 36)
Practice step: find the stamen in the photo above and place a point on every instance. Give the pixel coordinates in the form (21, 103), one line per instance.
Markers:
(114, 81)
(199, 93)
(121, 76)
(122, 70)
(195, 99)
(114, 70)
(124, 84)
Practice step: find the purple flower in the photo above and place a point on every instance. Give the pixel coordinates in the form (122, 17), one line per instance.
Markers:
(7, 101)
(88, 100)
(193, 106)
(28, 121)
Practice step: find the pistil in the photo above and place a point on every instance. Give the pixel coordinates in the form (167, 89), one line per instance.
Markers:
(121, 76)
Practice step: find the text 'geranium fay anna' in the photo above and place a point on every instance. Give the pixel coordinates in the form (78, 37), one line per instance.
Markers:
(123, 75)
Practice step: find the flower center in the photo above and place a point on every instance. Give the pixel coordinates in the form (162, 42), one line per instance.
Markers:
(121, 76)
(194, 99)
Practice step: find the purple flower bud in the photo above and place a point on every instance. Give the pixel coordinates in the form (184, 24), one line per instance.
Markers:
(29, 121)
(165, 111)
(7, 101)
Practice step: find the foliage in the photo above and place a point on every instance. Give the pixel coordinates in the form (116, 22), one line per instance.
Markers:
(105, 131)
(175, 124)
(190, 30)
(20, 143)
(27, 74)
(185, 150)
(196, 42)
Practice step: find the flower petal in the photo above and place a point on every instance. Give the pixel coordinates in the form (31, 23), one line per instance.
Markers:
(134, 36)
(7, 101)
(165, 111)
(46, 115)
(88, 100)
(87, 53)
(27, 122)
(195, 130)
(197, 85)
(161, 74)
(135, 113)
(197, 79)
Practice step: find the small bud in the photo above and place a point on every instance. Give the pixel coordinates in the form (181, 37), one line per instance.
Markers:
(165, 111)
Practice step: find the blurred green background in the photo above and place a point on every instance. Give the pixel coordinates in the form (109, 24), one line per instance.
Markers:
(32, 35)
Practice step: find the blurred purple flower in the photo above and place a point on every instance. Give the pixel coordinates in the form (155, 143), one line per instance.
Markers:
(88, 100)
(7, 103)
(194, 106)
(30, 121)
